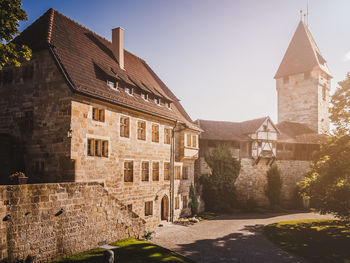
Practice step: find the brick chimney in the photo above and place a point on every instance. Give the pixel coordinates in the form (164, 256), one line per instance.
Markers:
(118, 45)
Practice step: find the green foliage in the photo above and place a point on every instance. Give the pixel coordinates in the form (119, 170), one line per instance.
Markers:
(327, 182)
(340, 111)
(218, 188)
(194, 201)
(274, 184)
(316, 240)
(129, 250)
(11, 53)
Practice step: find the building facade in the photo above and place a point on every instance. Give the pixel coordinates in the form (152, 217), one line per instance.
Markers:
(83, 109)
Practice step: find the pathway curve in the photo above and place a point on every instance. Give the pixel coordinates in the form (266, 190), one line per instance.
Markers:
(229, 239)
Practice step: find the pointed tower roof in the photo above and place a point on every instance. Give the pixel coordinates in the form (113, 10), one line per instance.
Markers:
(302, 54)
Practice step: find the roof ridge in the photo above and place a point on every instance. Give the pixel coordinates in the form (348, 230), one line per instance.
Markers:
(49, 30)
(75, 22)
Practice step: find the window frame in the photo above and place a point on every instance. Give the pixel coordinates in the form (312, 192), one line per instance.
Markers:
(98, 114)
(155, 133)
(124, 127)
(141, 131)
(166, 171)
(128, 173)
(148, 208)
(145, 178)
(97, 147)
(167, 135)
(177, 175)
(184, 202)
(155, 171)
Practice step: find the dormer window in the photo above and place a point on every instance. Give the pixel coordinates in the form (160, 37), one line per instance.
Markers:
(167, 104)
(157, 101)
(144, 96)
(128, 90)
(112, 84)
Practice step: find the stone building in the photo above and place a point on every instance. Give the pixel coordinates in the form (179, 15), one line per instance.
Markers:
(303, 83)
(83, 109)
(303, 86)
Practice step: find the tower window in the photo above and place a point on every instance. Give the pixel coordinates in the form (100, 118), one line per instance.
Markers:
(324, 93)
(286, 79)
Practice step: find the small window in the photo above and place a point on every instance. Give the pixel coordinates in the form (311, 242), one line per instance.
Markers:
(124, 127)
(286, 79)
(157, 101)
(155, 133)
(144, 96)
(167, 104)
(184, 201)
(130, 207)
(98, 114)
(128, 90)
(128, 171)
(141, 130)
(194, 141)
(145, 171)
(185, 173)
(167, 135)
(178, 172)
(38, 167)
(189, 141)
(177, 202)
(155, 171)
(166, 171)
(324, 93)
(112, 84)
(97, 148)
(148, 208)
(27, 72)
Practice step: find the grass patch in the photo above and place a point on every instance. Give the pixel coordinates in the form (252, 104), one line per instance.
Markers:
(316, 240)
(130, 250)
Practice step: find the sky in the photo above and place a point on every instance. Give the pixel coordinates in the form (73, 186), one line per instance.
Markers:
(219, 57)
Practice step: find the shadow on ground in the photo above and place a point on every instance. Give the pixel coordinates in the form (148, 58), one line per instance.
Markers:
(233, 248)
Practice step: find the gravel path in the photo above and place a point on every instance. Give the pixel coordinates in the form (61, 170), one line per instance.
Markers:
(229, 239)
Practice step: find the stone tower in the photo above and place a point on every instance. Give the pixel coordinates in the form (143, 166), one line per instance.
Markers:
(303, 83)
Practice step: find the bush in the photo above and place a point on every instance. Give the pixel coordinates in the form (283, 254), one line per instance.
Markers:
(274, 185)
(219, 193)
(194, 201)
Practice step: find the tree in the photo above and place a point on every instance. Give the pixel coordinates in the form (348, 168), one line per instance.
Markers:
(274, 184)
(11, 53)
(340, 111)
(194, 201)
(218, 188)
(327, 182)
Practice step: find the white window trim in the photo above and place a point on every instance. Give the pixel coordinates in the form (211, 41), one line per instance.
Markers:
(104, 138)
(118, 127)
(159, 128)
(104, 123)
(137, 121)
(149, 174)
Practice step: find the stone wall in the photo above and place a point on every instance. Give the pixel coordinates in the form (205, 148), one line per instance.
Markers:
(32, 222)
(35, 111)
(292, 172)
(305, 100)
(251, 183)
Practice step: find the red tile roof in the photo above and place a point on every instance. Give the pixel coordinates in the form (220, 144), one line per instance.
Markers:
(302, 54)
(293, 132)
(88, 61)
(229, 131)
